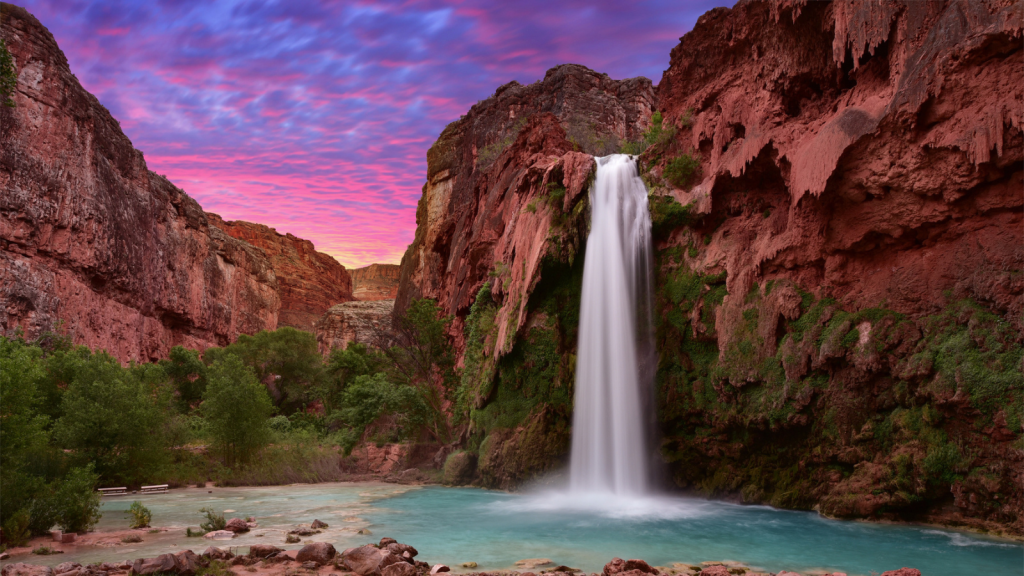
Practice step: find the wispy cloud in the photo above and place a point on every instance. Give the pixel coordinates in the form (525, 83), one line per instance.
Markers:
(315, 117)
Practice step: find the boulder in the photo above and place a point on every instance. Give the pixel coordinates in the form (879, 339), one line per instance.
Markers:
(399, 569)
(903, 572)
(469, 564)
(262, 550)
(23, 569)
(303, 531)
(628, 567)
(164, 563)
(369, 560)
(219, 535)
(721, 570)
(319, 552)
(188, 562)
(318, 525)
(65, 567)
(237, 525)
(401, 549)
(438, 568)
(459, 468)
(214, 553)
(531, 563)
(385, 541)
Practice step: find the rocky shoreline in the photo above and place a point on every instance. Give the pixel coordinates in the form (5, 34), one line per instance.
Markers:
(386, 558)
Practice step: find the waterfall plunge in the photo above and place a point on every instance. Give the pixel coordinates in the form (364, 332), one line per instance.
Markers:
(615, 355)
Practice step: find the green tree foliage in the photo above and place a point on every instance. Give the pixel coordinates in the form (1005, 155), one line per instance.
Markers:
(111, 418)
(237, 409)
(656, 134)
(23, 434)
(187, 374)
(8, 76)
(76, 502)
(286, 360)
(343, 366)
(397, 411)
(420, 355)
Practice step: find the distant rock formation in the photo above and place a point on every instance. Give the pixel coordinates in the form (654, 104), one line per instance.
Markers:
(351, 322)
(93, 242)
(310, 282)
(375, 282)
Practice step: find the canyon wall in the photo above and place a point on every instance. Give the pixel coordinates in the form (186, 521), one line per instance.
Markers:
(375, 282)
(309, 282)
(837, 202)
(351, 322)
(92, 242)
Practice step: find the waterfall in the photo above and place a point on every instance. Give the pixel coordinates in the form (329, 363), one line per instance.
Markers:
(614, 362)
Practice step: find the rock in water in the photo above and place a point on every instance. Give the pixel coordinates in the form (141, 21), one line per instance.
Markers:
(319, 552)
(237, 525)
(318, 525)
(439, 568)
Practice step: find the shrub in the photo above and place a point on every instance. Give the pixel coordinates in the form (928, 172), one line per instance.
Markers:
(16, 528)
(214, 521)
(396, 409)
(8, 76)
(682, 169)
(76, 502)
(656, 134)
(131, 539)
(237, 409)
(140, 515)
(667, 214)
(45, 551)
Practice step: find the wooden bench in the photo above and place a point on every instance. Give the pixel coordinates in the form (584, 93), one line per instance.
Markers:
(113, 491)
(157, 489)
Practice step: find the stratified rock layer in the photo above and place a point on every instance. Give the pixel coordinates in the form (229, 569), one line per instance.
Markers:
(352, 322)
(92, 240)
(310, 282)
(375, 282)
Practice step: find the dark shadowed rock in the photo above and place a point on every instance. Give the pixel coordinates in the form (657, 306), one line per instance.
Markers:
(319, 552)
(237, 525)
(262, 550)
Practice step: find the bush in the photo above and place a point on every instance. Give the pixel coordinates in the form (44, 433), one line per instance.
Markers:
(682, 169)
(76, 502)
(656, 134)
(237, 409)
(131, 539)
(140, 515)
(16, 531)
(397, 409)
(8, 76)
(214, 521)
(667, 214)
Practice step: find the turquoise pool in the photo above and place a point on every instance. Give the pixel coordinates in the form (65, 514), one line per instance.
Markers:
(494, 529)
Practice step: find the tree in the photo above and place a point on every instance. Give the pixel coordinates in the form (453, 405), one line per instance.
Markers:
(342, 368)
(397, 411)
(109, 417)
(286, 360)
(23, 435)
(8, 76)
(421, 356)
(187, 374)
(237, 409)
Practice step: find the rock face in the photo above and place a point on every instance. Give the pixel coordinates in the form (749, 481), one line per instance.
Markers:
(351, 322)
(310, 282)
(93, 241)
(838, 282)
(375, 282)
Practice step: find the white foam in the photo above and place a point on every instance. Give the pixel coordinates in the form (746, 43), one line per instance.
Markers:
(957, 539)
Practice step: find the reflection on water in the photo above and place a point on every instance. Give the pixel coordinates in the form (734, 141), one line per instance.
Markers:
(494, 529)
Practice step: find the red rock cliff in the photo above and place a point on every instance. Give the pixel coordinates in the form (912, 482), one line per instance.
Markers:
(375, 282)
(310, 282)
(92, 239)
(486, 209)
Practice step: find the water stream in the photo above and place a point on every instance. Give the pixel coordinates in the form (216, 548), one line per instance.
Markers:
(609, 452)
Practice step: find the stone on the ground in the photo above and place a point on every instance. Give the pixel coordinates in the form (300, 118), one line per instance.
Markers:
(531, 563)
(310, 565)
(262, 550)
(369, 560)
(903, 572)
(402, 549)
(318, 525)
(303, 531)
(385, 541)
(399, 569)
(214, 553)
(438, 568)
(164, 563)
(219, 535)
(237, 525)
(319, 552)
(720, 570)
(23, 569)
(469, 564)
(66, 567)
(628, 567)
(4, 555)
